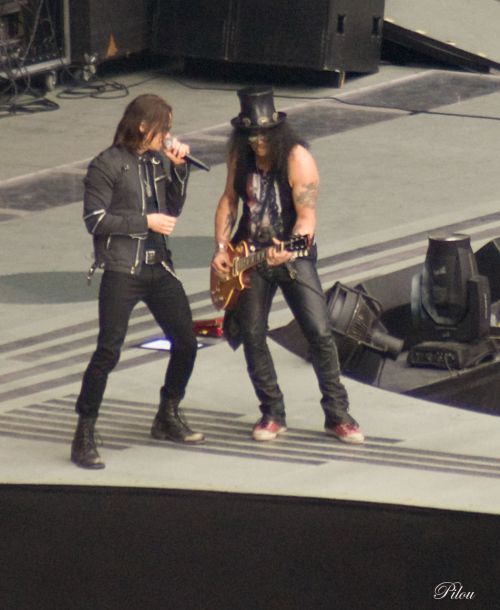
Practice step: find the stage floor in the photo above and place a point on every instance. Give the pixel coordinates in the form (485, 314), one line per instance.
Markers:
(400, 153)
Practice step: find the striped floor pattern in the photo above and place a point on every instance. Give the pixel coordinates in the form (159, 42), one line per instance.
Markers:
(126, 424)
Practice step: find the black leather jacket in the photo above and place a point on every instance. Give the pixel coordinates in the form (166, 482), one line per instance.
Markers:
(115, 209)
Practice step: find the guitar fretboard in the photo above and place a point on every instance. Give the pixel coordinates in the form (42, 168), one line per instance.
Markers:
(245, 262)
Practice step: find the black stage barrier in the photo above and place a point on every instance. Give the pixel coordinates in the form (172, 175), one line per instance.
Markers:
(88, 548)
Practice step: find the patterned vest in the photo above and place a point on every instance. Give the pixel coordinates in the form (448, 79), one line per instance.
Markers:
(268, 209)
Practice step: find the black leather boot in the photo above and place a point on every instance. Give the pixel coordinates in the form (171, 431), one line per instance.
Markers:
(83, 449)
(169, 426)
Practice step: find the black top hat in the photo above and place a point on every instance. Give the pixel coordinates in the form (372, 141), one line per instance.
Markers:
(257, 109)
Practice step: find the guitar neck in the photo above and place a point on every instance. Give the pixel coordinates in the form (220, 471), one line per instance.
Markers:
(297, 244)
(246, 262)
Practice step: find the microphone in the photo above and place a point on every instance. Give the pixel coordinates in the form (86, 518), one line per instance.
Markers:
(189, 158)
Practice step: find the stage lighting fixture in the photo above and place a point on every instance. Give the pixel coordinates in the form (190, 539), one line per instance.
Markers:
(450, 301)
(355, 320)
(451, 307)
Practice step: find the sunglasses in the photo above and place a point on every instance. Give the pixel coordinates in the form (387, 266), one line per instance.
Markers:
(260, 135)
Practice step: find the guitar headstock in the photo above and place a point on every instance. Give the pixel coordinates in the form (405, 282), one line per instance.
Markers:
(298, 244)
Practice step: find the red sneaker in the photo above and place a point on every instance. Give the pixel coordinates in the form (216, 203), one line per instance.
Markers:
(267, 430)
(347, 433)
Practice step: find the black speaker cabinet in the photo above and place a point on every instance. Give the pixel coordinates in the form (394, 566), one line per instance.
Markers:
(331, 35)
(322, 35)
(109, 29)
(190, 28)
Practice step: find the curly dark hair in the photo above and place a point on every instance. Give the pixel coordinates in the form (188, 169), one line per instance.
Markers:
(281, 138)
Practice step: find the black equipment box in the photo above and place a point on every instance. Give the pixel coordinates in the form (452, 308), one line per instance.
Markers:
(322, 35)
(109, 29)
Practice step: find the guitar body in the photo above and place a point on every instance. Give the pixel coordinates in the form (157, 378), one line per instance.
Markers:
(225, 292)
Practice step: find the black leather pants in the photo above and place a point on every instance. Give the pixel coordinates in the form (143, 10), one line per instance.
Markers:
(305, 298)
(165, 297)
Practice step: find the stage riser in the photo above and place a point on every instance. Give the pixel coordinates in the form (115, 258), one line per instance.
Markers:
(116, 548)
(477, 390)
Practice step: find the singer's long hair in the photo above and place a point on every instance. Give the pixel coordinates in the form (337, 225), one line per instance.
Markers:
(281, 139)
(150, 108)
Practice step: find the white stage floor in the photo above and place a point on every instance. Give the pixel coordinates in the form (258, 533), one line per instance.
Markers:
(387, 176)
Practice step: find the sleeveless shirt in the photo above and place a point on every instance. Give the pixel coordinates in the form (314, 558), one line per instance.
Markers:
(268, 209)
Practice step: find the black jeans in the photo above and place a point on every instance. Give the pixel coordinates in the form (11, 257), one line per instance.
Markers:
(305, 298)
(165, 297)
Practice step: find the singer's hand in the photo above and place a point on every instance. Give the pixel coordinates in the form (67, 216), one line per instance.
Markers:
(161, 223)
(176, 151)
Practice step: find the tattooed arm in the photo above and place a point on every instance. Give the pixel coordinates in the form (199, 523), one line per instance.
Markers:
(225, 219)
(304, 180)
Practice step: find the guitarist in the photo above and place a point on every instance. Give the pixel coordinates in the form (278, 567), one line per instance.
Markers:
(275, 176)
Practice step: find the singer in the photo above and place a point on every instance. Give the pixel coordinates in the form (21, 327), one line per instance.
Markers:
(134, 192)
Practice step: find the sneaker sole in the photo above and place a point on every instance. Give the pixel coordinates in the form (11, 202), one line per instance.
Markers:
(263, 436)
(346, 439)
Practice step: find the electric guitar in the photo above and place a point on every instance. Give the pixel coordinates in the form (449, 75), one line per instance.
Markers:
(225, 291)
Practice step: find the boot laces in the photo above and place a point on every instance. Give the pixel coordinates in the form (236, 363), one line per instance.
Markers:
(91, 437)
